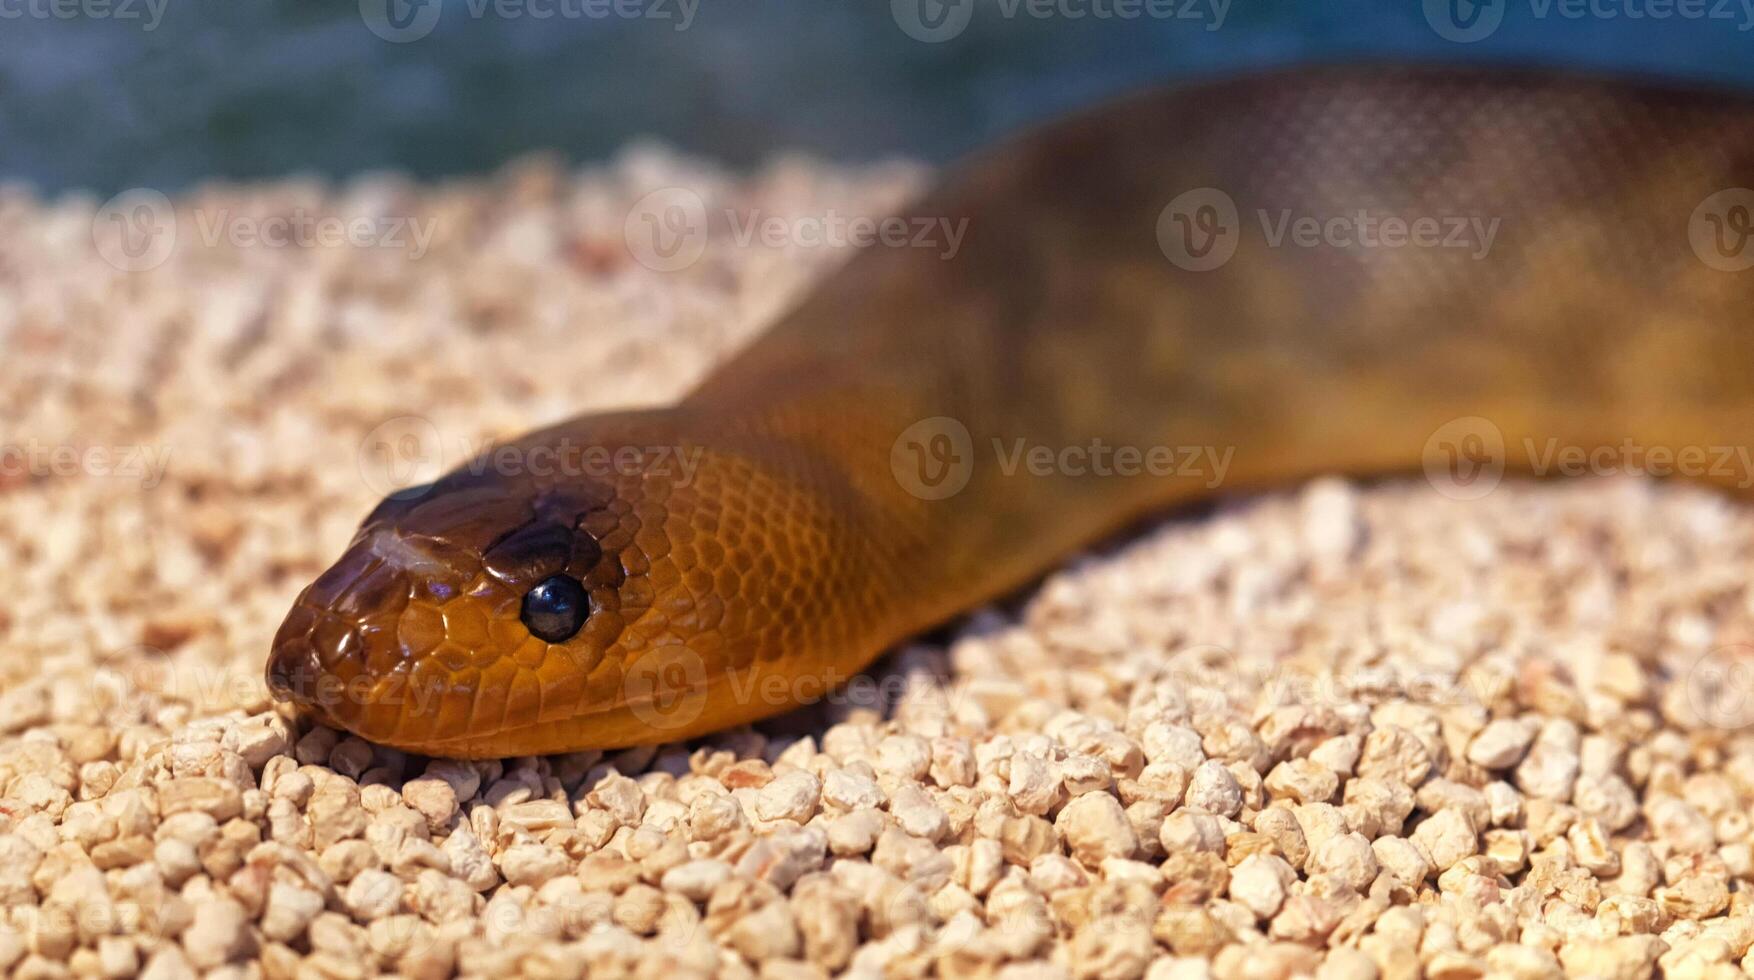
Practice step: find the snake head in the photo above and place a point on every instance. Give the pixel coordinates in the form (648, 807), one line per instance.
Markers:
(465, 608)
(518, 610)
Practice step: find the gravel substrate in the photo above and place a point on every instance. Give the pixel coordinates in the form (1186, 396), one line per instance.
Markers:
(1341, 731)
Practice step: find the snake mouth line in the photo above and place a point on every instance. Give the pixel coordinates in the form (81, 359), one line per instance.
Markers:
(393, 707)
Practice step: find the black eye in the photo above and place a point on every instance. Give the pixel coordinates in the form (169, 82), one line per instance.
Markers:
(556, 608)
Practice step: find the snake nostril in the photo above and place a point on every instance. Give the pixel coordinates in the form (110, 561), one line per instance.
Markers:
(279, 680)
(294, 659)
(292, 672)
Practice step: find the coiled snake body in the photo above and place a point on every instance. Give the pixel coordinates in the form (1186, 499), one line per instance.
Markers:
(1230, 284)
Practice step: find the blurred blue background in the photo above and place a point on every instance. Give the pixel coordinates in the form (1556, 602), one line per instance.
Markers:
(109, 94)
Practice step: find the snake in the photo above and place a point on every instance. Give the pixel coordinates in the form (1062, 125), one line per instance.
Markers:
(1206, 288)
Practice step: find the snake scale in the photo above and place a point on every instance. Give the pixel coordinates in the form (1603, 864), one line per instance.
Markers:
(1222, 285)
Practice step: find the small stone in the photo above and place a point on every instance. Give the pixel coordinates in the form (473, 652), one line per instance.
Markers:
(621, 797)
(1095, 828)
(1349, 858)
(373, 894)
(1259, 884)
(916, 813)
(1447, 836)
(1214, 789)
(433, 798)
(463, 778)
(1174, 744)
(258, 739)
(1695, 896)
(1191, 830)
(1402, 858)
(1678, 824)
(847, 790)
(1500, 744)
(791, 796)
(1552, 763)
(1034, 786)
(531, 864)
(1395, 754)
(783, 858)
(219, 934)
(218, 798)
(1622, 958)
(117, 957)
(1303, 780)
(696, 880)
(168, 963)
(855, 833)
(1112, 948)
(637, 910)
(906, 757)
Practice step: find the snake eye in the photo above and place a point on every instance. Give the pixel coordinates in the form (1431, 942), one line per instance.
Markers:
(555, 608)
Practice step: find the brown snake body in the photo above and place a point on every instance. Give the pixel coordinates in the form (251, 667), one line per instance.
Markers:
(865, 467)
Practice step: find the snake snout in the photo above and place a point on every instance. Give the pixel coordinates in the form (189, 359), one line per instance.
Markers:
(313, 658)
(329, 653)
(292, 667)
